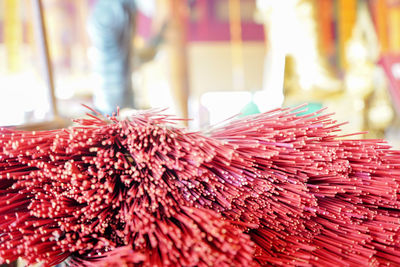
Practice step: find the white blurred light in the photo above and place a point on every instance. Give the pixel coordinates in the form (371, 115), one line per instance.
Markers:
(224, 105)
(396, 70)
(267, 100)
(147, 7)
(22, 95)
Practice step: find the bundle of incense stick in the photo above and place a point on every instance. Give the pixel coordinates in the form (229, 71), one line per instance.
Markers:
(274, 188)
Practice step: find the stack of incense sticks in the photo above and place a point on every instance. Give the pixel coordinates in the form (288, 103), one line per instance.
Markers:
(273, 188)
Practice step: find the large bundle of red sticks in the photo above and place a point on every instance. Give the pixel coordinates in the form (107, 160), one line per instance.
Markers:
(274, 188)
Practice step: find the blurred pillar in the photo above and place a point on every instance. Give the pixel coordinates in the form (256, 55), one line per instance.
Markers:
(41, 36)
(381, 24)
(82, 8)
(29, 25)
(346, 12)
(236, 45)
(13, 34)
(177, 43)
(324, 15)
(394, 28)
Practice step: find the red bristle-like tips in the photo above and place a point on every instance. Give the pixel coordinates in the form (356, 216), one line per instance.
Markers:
(87, 192)
(192, 237)
(274, 188)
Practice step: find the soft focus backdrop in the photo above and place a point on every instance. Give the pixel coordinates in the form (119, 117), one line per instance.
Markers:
(206, 60)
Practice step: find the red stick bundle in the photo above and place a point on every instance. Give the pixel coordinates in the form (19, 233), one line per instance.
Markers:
(274, 188)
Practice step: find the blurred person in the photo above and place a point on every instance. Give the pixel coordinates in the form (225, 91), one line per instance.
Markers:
(110, 29)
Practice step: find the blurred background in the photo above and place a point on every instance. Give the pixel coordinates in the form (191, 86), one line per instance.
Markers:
(206, 60)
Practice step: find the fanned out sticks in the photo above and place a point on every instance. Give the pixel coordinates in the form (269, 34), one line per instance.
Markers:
(274, 188)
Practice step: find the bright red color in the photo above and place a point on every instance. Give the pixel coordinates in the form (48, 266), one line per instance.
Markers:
(273, 188)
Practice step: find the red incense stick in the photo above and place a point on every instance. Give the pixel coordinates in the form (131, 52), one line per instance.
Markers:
(274, 188)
